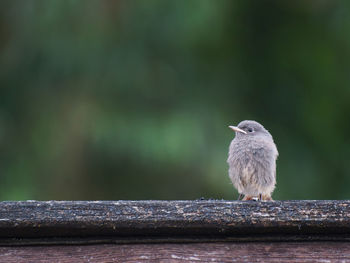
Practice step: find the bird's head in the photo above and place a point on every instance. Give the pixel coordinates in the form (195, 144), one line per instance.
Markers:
(250, 128)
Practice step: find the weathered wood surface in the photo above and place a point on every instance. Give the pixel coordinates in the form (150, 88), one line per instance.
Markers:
(176, 253)
(84, 222)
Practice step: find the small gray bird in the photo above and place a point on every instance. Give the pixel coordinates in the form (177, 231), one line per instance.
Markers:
(252, 161)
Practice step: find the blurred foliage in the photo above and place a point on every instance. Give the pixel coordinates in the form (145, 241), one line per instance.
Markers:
(132, 99)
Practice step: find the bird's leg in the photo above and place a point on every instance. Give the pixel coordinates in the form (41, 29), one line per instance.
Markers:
(260, 197)
(240, 196)
(247, 198)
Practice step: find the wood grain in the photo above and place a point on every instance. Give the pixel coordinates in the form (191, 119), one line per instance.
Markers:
(89, 222)
(171, 253)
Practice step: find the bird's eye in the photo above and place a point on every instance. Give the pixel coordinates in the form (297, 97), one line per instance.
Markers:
(250, 129)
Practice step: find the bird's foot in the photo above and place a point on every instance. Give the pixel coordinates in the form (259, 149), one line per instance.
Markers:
(260, 197)
(267, 198)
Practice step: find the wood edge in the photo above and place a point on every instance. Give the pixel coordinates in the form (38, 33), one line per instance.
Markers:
(179, 239)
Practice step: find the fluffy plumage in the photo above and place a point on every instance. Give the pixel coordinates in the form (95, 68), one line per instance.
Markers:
(252, 161)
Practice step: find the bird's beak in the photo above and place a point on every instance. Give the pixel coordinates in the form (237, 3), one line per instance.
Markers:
(236, 129)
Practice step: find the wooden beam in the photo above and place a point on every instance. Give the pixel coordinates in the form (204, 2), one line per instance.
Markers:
(271, 252)
(84, 222)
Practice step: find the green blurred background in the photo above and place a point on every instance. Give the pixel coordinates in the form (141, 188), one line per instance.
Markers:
(132, 99)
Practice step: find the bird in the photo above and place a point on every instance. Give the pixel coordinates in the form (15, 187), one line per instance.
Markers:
(252, 161)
